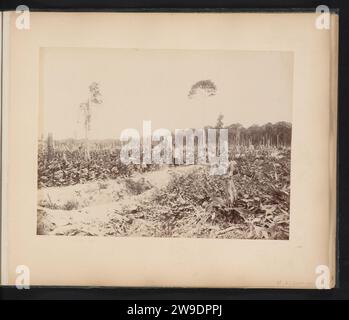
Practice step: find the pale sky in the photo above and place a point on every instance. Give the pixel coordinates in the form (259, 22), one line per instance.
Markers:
(253, 87)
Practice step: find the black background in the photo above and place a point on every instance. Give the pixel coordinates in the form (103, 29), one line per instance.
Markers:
(342, 290)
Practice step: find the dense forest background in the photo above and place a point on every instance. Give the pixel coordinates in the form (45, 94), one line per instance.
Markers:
(269, 135)
(273, 135)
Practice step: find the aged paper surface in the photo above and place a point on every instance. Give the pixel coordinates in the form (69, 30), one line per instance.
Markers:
(298, 63)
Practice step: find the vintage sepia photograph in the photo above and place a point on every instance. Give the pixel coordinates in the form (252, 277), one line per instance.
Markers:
(164, 143)
(170, 150)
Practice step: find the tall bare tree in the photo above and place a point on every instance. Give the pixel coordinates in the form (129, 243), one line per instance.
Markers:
(219, 124)
(94, 98)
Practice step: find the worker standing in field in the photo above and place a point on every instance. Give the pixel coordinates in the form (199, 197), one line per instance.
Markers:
(230, 189)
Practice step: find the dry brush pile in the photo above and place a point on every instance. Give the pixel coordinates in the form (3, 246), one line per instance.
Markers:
(194, 204)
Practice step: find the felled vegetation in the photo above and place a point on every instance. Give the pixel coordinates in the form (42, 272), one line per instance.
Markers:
(64, 162)
(195, 205)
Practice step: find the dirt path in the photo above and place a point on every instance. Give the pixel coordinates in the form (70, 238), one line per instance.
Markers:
(96, 203)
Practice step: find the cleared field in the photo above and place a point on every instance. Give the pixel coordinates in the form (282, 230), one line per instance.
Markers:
(176, 201)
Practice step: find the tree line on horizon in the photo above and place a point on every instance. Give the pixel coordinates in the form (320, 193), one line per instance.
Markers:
(274, 135)
(277, 135)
